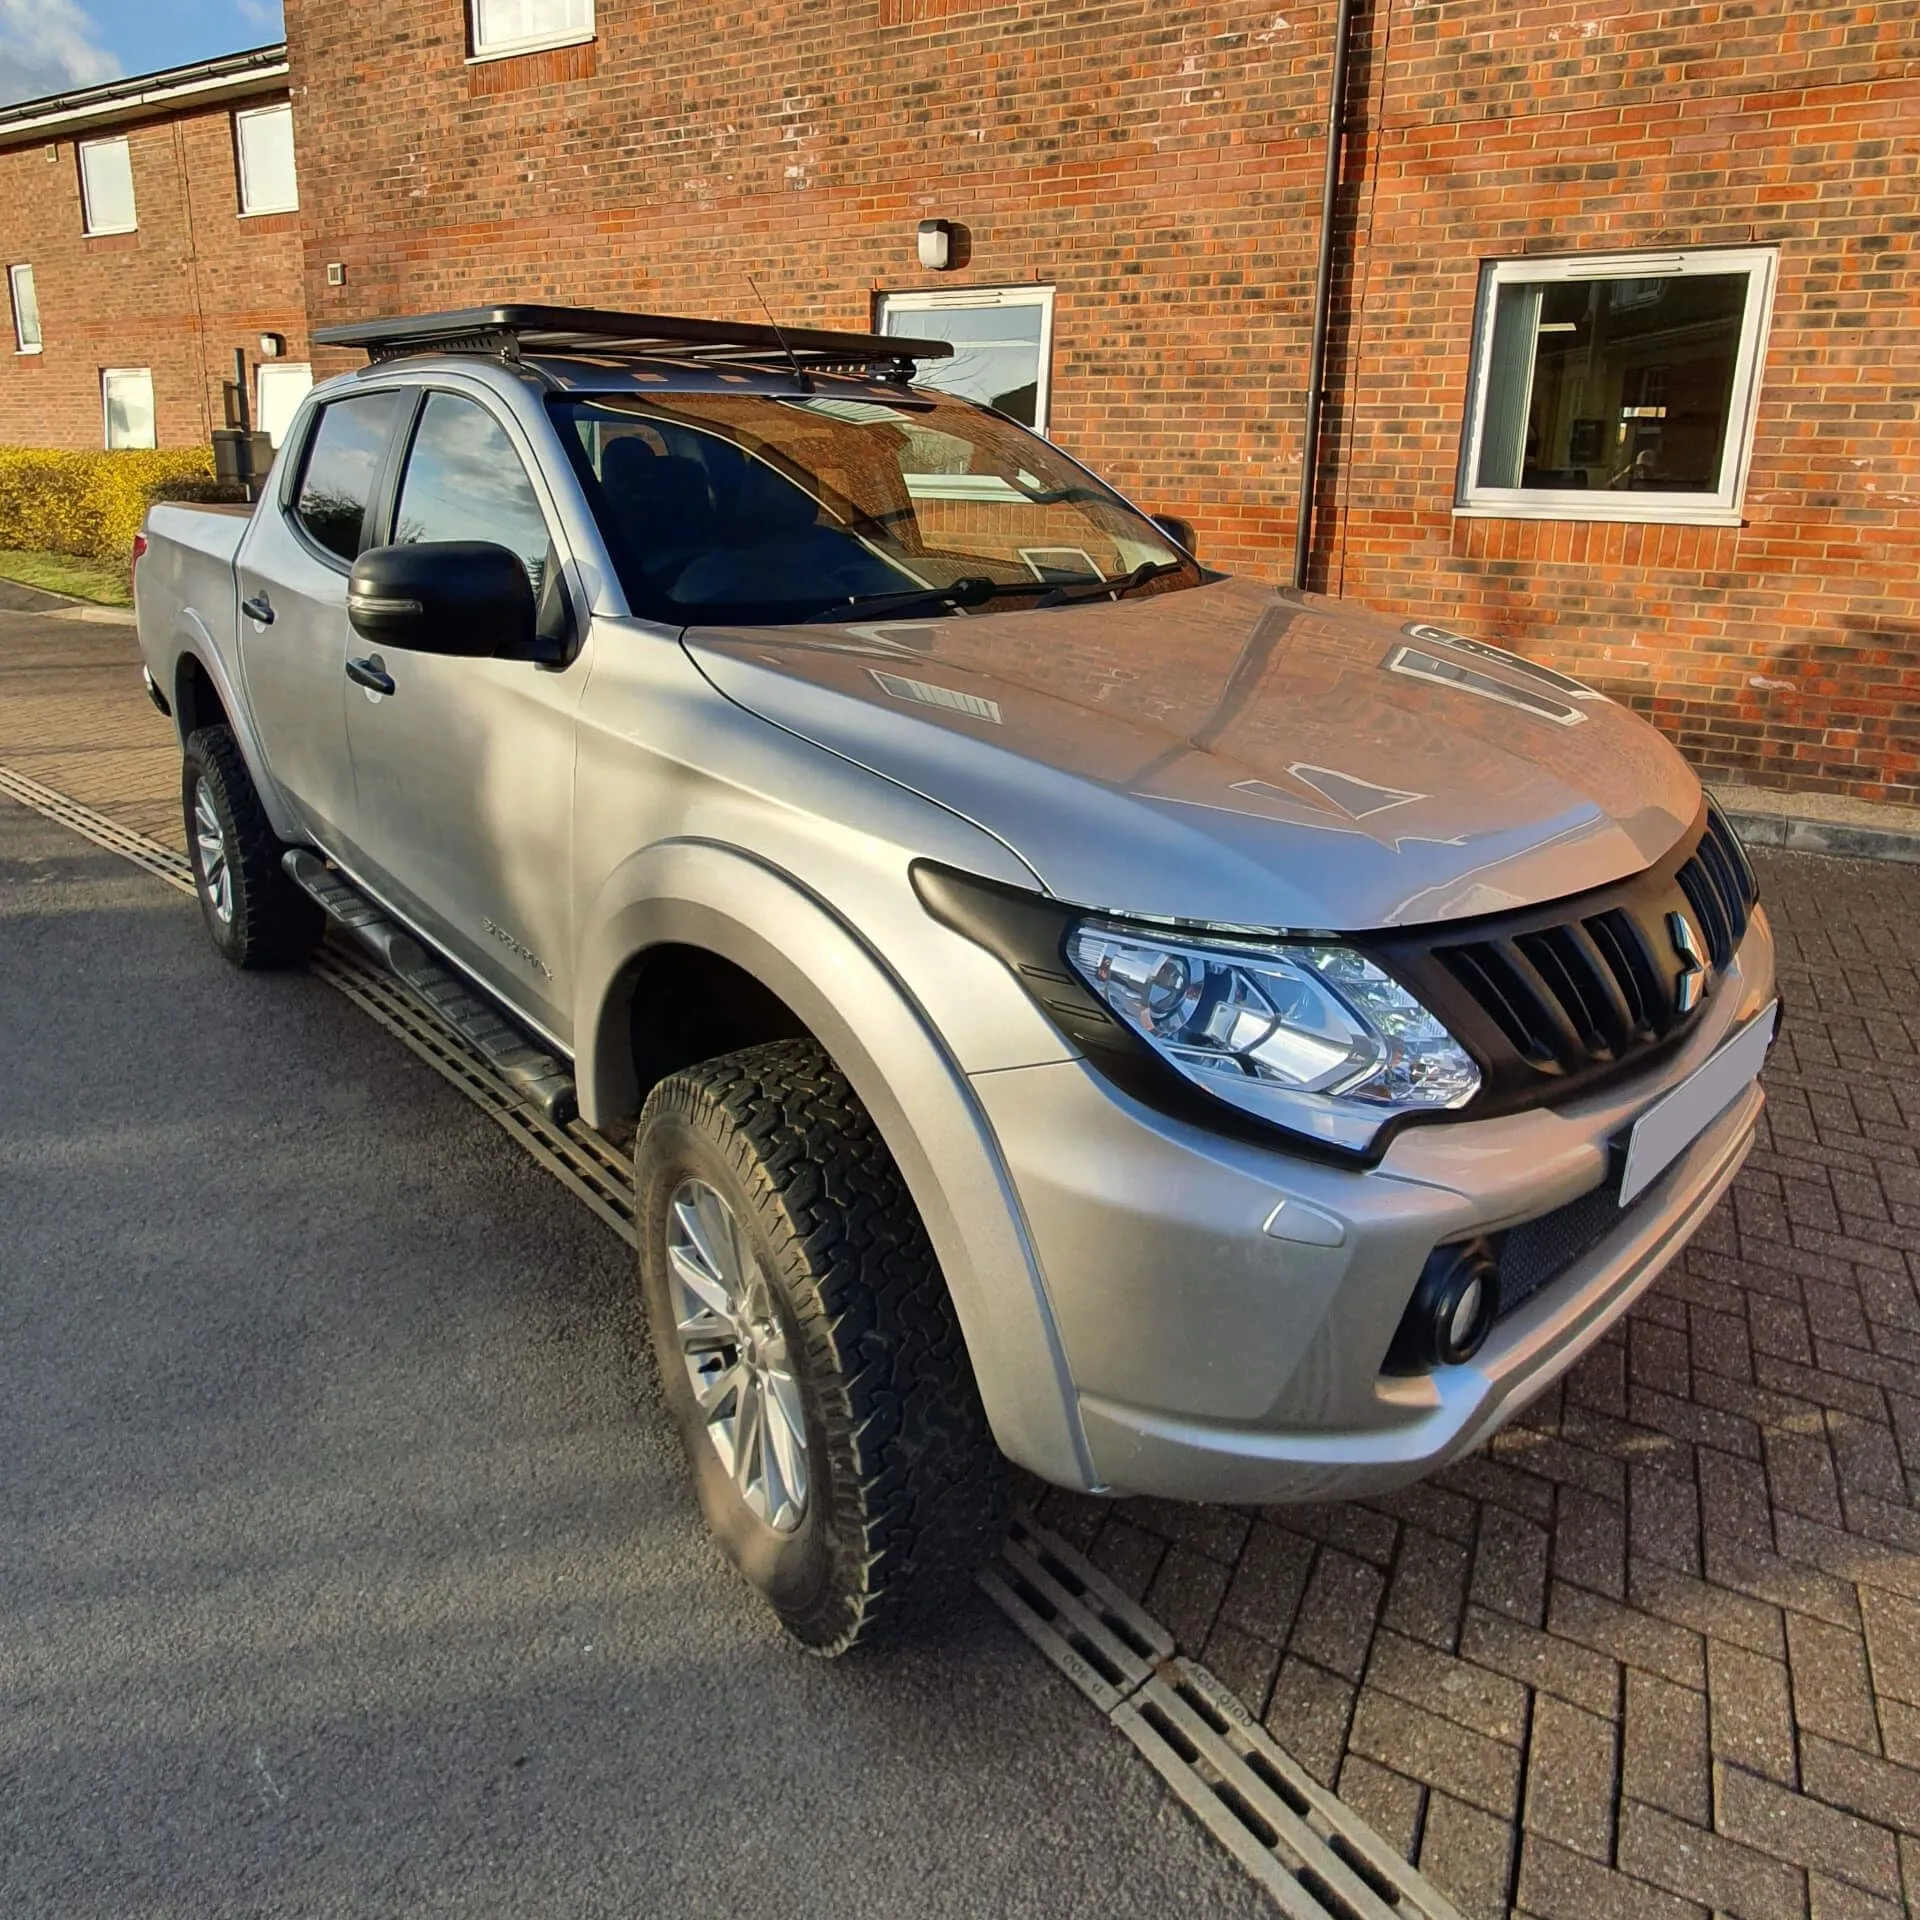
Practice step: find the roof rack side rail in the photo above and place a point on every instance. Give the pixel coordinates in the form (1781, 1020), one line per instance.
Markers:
(511, 330)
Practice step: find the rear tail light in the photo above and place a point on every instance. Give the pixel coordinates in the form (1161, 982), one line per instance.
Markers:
(139, 549)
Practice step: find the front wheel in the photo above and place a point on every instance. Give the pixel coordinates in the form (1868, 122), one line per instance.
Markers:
(808, 1348)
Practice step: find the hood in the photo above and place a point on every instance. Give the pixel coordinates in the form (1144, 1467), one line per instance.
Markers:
(1234, 755)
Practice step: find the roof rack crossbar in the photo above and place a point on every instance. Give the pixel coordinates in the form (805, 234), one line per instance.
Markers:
(512, 330)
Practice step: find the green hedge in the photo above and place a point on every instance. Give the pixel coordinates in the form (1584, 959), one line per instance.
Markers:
(92, 504)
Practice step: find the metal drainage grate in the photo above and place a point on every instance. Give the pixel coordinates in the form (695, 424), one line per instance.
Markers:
(155, 856)
(1317, 1859)
(1313, 1854)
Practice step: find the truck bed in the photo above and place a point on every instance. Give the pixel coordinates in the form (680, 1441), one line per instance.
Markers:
(186, 579)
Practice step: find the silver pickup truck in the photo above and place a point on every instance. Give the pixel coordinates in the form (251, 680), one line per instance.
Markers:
(1064, 1003)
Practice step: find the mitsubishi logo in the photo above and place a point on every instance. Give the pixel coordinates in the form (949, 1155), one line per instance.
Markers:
(1693, 969)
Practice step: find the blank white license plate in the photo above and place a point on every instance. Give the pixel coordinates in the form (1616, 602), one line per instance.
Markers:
(1677, 1119)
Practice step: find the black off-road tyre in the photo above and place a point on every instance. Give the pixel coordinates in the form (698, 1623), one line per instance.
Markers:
(268, 921)
(906, 1494)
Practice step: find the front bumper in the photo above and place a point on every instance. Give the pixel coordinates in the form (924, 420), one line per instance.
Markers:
(1225, 1308)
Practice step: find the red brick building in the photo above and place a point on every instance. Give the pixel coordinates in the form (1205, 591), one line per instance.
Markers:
(148, 228)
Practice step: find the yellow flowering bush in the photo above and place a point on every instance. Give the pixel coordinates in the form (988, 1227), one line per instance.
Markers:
(92, 504)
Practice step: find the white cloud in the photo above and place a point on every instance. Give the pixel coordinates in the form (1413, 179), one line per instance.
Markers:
(261, 13)
(47, 46)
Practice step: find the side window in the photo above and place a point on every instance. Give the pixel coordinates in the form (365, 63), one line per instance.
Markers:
(464, 481)
(342, 465)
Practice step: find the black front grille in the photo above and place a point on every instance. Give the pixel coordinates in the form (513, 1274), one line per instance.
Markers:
(1559, 998)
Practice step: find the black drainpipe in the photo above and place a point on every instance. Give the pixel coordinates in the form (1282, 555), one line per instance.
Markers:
(1322, 291)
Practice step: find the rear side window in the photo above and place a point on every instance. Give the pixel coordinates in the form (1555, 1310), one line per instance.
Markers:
(343, 463)
(464, 481)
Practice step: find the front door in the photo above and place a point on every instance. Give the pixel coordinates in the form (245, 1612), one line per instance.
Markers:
(292, 576)
(464, 772)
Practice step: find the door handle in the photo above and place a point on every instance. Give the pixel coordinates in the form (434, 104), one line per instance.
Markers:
(259, 608)
(370, 674)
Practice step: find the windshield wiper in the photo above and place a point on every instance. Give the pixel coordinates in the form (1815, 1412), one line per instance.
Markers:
(969, 592)
(1064, 596)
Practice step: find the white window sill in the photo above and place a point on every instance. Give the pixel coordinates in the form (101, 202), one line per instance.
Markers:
(261, 213)
(101, 233)
(1657, 512)
(518, 47)
(26, 353)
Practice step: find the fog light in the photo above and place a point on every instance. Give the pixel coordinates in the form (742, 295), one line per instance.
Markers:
(1452, 1311)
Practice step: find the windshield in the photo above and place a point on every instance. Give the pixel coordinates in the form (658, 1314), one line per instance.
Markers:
(746, 509)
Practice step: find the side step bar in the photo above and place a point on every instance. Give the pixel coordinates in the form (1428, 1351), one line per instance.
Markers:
(544, 1080)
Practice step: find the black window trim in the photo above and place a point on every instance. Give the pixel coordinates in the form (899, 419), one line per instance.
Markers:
(296, 472)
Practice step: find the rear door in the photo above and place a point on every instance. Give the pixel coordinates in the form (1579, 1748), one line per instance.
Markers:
(465, 771)
(292, 571)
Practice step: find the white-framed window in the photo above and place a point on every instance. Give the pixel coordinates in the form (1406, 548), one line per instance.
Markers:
(1002, 343)
(280, 386)
(263, 142)
(26, 309)
(106, 186)
(522, 26)
(126, 401)
(1617, 386)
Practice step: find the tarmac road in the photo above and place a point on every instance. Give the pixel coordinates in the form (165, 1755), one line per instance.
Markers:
(347, 1561)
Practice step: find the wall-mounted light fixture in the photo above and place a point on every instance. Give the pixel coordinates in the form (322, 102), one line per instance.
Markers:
(272, 345)
(936, 245)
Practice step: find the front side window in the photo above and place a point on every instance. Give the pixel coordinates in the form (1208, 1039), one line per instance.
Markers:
(26, 309)
(518, 26)
(106, 186)
(1618, 388)
(126, 395)
(465, 481)
(1002, 338)
(263, 144)
(751, 509)
(342, 464)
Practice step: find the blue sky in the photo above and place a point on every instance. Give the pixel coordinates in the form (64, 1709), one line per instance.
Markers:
(49, 45)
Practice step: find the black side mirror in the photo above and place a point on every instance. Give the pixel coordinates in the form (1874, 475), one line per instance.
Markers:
(465, 597)
(1179, 531)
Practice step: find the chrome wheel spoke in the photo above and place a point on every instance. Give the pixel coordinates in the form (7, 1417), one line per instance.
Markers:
(210, 840)
(787, 1436)
(728, 1329)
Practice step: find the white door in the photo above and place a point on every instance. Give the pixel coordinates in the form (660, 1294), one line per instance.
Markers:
(283, 384)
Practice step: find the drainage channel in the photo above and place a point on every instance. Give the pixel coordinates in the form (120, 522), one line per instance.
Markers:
(1316, 1858)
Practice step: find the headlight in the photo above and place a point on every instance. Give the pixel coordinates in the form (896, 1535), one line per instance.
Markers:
(1315, 1038)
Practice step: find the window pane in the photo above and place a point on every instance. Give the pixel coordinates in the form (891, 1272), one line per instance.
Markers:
(26, 309)
(128, 393)
(266, 160)
(465, 482)
(343, 459)
(106, 179)
(744, 508)
(504, 23)
(1618, 385)
(996, 352)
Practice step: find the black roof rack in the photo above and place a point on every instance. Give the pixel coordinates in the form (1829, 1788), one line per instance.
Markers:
(513, 330)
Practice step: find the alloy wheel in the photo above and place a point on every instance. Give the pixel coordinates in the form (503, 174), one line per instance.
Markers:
(734, 1346)
(210, 837)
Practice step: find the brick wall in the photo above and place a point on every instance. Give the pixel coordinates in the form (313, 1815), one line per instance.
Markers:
(1159, 164)
(194, 282)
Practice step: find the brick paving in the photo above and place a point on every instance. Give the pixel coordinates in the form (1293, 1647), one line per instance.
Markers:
(74, 717)
(1655, 1651)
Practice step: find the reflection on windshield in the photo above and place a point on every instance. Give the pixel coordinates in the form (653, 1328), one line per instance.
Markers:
(747, 509)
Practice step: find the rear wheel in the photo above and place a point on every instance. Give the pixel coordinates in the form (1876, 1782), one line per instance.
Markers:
(256, 915)
(808, 1348)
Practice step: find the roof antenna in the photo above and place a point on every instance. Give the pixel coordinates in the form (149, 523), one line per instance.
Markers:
(793, 360)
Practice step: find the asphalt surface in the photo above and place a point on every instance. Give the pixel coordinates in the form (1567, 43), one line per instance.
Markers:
(347, 1561)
